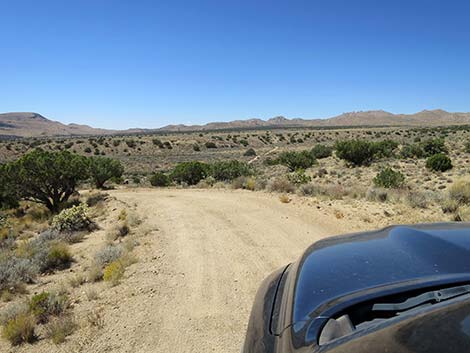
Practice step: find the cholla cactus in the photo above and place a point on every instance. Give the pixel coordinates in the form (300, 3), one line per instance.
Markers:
(73, 219)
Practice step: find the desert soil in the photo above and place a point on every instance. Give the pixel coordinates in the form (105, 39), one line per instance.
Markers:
(200, 262)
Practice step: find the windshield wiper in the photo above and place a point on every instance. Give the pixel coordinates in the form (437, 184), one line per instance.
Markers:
(432, 296)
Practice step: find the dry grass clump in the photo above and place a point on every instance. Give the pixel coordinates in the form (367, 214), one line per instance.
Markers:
(20, 329)
(284, 198)
(119, 230)
(59, 328)
(280, 184)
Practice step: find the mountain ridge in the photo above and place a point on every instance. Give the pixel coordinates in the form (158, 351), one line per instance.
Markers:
(30, 124)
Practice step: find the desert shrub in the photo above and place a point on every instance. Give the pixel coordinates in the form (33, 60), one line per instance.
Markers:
(131, 143)
(87, 150)
(434, 146)
(95, 198)
(159, 179)
(12, 311)
(449, 205)
(389, 179)
(439, 163)
(190, 173)
(196, 148)
(59, 257)
(280, 184)
(119, 230)
(321, 151)
(308, 189)
(250, 153)
(49, 178)
(417, 199)
(210, 144)
(377, 194)
(59, 328)
(116, 142)
(157, 142)
(355, 152)
(73, 219)
(296, 160)
(15, 271)
(284, 198)
(108, 254)
(384, 149)
(229, 170)
(244, 142)
(466, 147)
(460, 191)
(9, 194)
(299, 177)
(45, 304)
(412, 151)
(113, 272)
(20, 329)
(103, 169)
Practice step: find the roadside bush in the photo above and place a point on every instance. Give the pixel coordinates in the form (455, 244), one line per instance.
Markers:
(412, 151)
(434, 146)
(159, 179)
(117, 231)
(103, 169)
(389, 178)
(321, 151)
(297, 160)
(108, 254)
(460, 191)
(299, 177)
(280, 184)
(73, 219)
(439, 163)
(355, 152)
(20, 329)
(229, 170)
(190, 173)
(113, 272)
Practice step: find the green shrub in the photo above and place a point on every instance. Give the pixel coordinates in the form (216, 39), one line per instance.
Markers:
(229, 170)
(159, 179)
(434, 146)
(158, 142)
(190, 173)
(73, 219)
(388, 178)
(45, 304)
(59, 257)
(439, 163)
(321, 151)
(384, 149)
(250, 153)
(210, 144)
(103, 169)
(412, 151)
(299, 177)
(49, 178)
(20, 329)
(297, 160)
(355, 152)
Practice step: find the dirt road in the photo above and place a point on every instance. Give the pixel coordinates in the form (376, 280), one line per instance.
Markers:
(196, 278)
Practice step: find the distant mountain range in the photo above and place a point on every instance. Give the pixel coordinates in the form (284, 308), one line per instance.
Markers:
(33, 124)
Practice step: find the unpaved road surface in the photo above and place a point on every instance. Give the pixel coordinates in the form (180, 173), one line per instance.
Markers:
(194, 285)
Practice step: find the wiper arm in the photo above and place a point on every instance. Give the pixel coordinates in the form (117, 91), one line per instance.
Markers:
(433, 296)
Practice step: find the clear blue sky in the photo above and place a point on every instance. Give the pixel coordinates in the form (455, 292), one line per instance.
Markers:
(120, 64)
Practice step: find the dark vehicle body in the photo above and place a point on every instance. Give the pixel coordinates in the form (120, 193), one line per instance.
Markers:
(399, 289)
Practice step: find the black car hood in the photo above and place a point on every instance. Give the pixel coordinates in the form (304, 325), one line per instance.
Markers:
(333, 271)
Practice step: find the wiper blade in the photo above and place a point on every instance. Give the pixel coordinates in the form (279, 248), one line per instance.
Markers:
(433, 296)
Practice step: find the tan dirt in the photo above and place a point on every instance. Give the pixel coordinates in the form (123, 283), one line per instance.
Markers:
(213, 249)
(201, 258)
